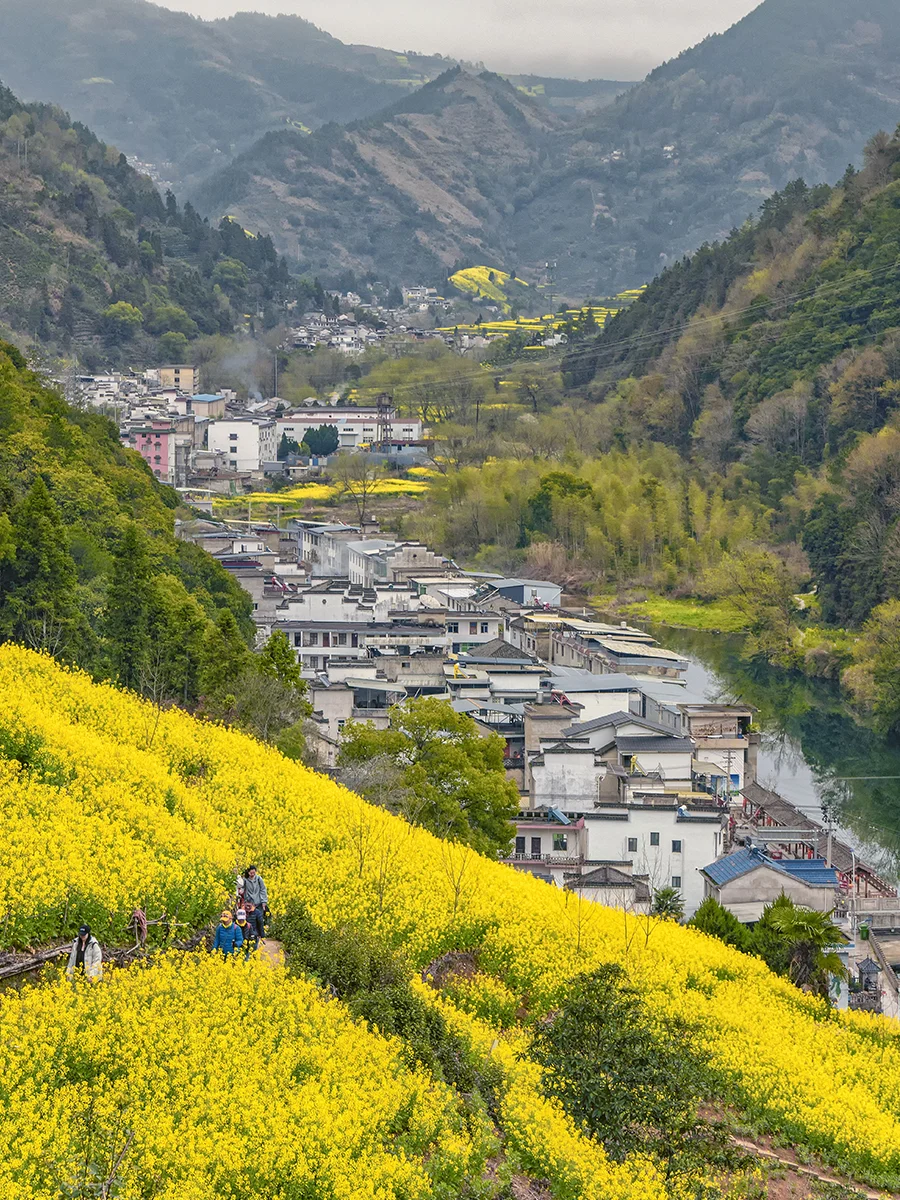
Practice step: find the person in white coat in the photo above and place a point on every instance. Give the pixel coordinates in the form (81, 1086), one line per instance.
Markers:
(85, 957)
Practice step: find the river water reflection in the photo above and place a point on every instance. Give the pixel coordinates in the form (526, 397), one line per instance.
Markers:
(813, 753)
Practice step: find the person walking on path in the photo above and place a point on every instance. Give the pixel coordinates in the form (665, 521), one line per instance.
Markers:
(229, 938)
(254, 890)
(248, 932)
(255, 920)
(85, 957)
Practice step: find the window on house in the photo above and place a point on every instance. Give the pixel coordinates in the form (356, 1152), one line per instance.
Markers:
(404, 666)
(341, 724)
(313, 663)
(676, 881)
(341, 639)
(654, 839)
(354, 639)
(676, 845)
(536, 847)
(232, 437)
(298, 639)
(473, 627)
(157, 458)
(312, 639)
(560, 841)
(453, 626)
(520, 845)
(326, 639)
(632, 845)
(484, 627)
(233, 462)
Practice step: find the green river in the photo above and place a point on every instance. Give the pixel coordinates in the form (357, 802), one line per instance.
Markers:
(813, 752)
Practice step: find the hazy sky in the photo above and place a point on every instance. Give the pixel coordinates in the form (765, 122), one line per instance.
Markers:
(614, 39)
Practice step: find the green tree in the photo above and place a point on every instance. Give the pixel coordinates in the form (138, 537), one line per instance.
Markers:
(287, 446)
(632, 1079)
(456, 775)
(810, 938)
(127, 625)
(668, 904)
(761, 588)
(278, 661)
(223, 659)
(42, 609)
(121, 321)
(874, 678)
(173, 346)
(323, 440)
(712, 918)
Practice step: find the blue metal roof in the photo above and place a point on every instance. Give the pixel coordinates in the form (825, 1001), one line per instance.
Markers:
(812, 871)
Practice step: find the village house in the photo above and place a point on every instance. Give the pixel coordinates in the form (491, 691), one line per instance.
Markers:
(747, 880)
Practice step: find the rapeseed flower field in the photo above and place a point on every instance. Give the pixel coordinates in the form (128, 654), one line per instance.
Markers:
(111, 805)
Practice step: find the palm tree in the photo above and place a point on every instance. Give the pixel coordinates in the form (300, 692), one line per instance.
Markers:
(811, 938)
(668, 904)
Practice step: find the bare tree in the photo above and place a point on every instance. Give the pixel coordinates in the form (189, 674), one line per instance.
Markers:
(357, 476)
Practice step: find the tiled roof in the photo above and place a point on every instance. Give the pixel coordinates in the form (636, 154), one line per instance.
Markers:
(811, 871)
(665, 745)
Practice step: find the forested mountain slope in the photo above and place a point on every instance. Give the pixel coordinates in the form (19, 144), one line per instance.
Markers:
(774, 360)
(792, 90)
(426, 185)
(186, 95)
(94, 263)
(87, 546)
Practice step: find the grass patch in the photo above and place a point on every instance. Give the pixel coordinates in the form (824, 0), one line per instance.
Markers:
(715, 616)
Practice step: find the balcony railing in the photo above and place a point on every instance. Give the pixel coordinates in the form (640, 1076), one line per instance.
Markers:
(560, 859)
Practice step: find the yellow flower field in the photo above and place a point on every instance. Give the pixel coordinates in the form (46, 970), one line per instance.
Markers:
(106, 809)
(218, 1079)
(294, 496)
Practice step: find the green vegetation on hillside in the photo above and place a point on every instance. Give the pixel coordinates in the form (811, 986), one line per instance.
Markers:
(93, 262)
(89, 566)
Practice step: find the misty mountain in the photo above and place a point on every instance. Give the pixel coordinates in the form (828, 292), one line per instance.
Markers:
(795, 89)
(184, 96)
(427, 185)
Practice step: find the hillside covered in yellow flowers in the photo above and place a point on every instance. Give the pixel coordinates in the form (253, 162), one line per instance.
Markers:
(185, 1076)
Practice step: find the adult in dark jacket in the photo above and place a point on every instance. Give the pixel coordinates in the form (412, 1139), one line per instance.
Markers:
(229, 938)
(255, 919)
(248, 933)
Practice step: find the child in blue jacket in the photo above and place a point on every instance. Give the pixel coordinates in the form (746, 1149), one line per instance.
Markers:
(229, 938)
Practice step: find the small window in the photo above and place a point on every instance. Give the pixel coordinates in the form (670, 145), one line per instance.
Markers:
(535, 847)
(520, 845)
(676, 845)
(560, 841)
(676, 881)
(473, 627)
(313, 663)
(404, 666)
(654, 839)
(233, 462)
(157, 458)
(453, 626)
(312, 639)
(232, 437)
(484, 627)
(632, 845)
(298, 639)
(341, 724)
(341, 639)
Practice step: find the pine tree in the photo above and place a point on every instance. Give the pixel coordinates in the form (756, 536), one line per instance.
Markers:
(223, 659)
(128, 610)
(42, 606)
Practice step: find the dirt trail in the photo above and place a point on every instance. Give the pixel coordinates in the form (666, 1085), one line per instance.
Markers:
(789, 1160)
(271, 952)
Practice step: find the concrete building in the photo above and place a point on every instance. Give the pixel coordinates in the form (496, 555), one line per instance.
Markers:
(247, 442)
(747, 880)
(183, 376)
(355, 426)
